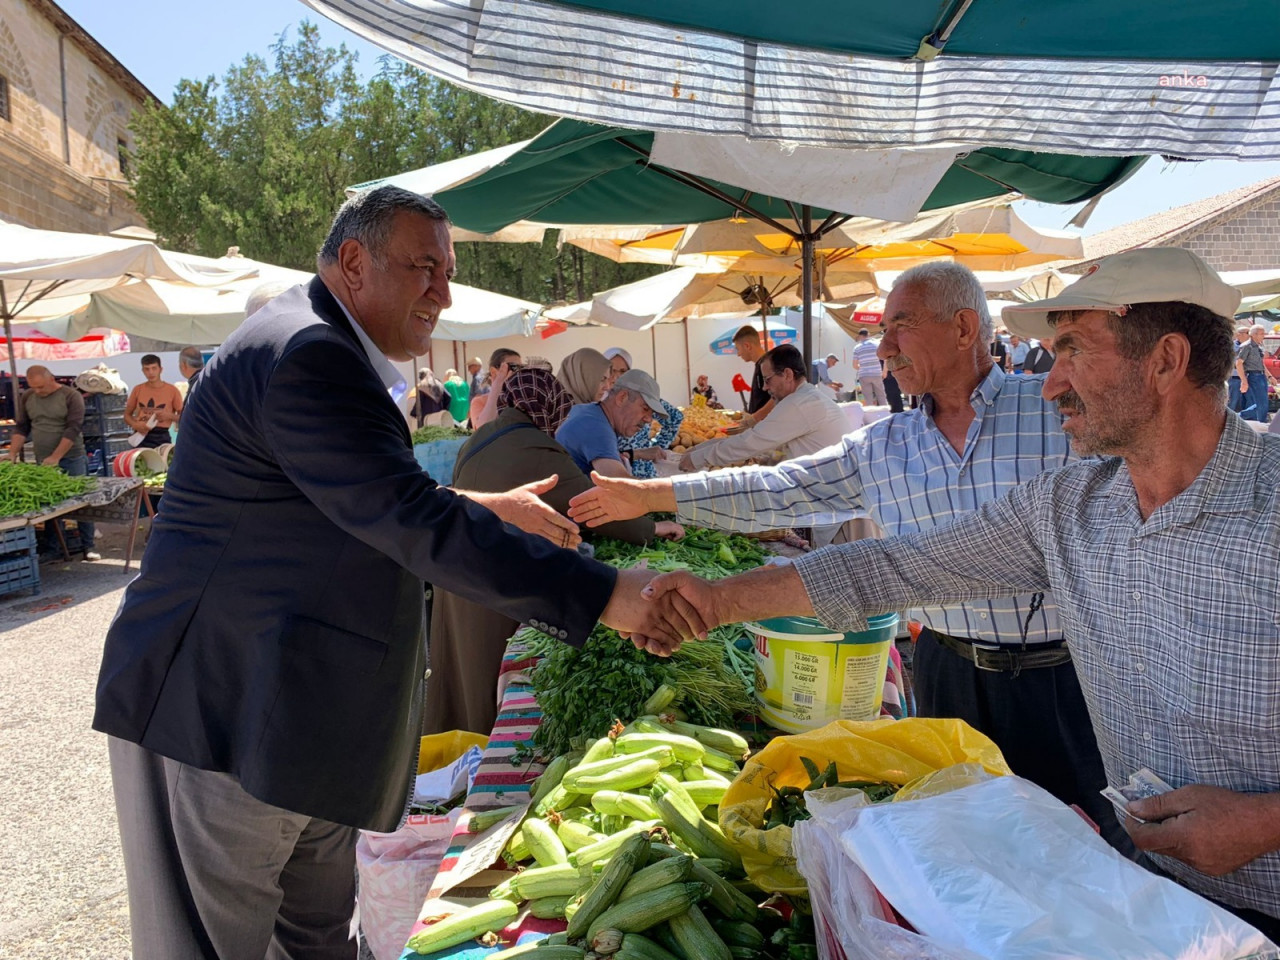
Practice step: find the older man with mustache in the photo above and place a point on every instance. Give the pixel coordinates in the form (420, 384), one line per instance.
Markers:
(999, 664)
(1161, 552)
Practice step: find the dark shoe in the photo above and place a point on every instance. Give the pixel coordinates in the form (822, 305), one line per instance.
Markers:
(92, 555)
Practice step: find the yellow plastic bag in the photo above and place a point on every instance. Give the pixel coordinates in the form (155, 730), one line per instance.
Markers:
(896, 751)
(441, 749)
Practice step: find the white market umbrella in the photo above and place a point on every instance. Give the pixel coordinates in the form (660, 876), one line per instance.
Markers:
(47, 273)
(483, 315)
(686, 292)
(180, 313)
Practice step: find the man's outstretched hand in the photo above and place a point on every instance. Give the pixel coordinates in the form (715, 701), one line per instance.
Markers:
(658, 625)
(522, 508)
(617, 498)
(1212, 829)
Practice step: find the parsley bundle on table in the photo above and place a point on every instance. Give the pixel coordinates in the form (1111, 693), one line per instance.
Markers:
(582, 691)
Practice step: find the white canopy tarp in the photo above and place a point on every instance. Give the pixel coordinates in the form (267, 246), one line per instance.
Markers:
(887, 184)
(207, 315)
(685, 292)
(48, 273)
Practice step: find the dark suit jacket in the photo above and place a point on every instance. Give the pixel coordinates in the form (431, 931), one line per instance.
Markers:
(275, 631)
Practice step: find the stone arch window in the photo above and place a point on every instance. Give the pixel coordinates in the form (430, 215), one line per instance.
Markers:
(4, 99)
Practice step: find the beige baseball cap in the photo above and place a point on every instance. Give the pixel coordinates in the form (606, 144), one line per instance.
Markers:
(643, 384)
(1115, 283)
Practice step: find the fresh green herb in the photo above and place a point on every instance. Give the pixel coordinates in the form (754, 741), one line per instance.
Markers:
(432, 434)
(581, 691)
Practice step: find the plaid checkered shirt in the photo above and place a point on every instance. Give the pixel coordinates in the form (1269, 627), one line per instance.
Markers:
(905, 473)
(1173, 622)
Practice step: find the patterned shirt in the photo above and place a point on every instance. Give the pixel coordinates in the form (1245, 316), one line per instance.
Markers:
(905, 473)
(668, 430)
(1250, 354)
(865, 358)
(1173, 622)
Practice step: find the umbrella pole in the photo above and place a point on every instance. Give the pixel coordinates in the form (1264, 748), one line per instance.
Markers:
(653, 348)
(688, 363)
(806, 258)
(13, 363)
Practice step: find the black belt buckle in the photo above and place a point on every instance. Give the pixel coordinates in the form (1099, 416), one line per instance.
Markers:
(993, 651)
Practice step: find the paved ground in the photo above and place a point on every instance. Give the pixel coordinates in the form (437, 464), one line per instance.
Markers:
(62, 883)
(61, 874)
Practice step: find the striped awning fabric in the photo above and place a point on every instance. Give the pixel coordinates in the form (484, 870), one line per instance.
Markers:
(582, 59)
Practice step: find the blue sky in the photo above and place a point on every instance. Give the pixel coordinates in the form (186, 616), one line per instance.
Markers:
(161, 45)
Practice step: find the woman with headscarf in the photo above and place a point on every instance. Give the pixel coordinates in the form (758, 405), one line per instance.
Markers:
(585, 374)
(467, 641)
(704, 389)
(619, 363)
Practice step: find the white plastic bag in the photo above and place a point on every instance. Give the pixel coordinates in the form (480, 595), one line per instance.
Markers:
(1003, 870)
(852, 922)
(101, 379)
(396, 872)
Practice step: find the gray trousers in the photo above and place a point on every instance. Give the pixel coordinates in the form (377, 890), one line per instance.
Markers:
(873, 391)
(215, 874)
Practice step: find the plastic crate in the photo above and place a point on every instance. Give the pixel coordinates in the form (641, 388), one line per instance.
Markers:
(21, 573)
(12, 541)
(436, 459)
(105, 403)
(102, 450)
(104, 425)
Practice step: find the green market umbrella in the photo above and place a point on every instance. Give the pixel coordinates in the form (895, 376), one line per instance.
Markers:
(576, 173)
(1107, 77)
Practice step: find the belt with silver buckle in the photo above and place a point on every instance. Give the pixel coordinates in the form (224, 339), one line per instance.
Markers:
(1005, 659)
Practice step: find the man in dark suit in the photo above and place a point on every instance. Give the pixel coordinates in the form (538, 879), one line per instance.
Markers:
(261, 683)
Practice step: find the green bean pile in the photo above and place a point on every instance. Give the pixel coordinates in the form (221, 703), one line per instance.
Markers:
(28, 487)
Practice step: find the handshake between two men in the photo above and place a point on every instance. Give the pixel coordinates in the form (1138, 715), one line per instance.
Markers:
(657, 612)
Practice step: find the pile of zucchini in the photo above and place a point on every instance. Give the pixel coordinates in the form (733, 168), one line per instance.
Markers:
(625, 846)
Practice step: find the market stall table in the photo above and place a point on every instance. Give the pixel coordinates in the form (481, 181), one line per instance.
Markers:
(468, 869)
(111, 500)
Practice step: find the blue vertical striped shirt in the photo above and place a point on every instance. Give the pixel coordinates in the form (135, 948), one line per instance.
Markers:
(904, 473)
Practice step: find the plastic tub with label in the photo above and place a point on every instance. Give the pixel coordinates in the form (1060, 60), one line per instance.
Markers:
(807, 676)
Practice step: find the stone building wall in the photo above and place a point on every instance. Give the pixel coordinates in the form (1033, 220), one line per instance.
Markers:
(1247, 239)
(53, 175)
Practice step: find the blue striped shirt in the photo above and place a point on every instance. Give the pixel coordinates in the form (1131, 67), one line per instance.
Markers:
(866, 359)
(905, 473)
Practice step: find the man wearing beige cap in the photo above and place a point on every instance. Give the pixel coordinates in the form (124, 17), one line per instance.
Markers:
(1162, 554)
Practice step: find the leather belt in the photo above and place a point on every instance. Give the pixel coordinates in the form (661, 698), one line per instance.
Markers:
(1005, 659)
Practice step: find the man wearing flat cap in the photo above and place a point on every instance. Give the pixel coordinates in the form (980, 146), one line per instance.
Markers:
(1161, 550)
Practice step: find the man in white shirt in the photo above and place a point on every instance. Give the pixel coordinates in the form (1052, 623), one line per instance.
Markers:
(870, 369)
(805, 419)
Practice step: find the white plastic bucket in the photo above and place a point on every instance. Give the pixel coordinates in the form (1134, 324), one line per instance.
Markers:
(808, 676)
(124, 463)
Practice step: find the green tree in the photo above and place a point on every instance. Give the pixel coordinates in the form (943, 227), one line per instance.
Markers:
(259, 160)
